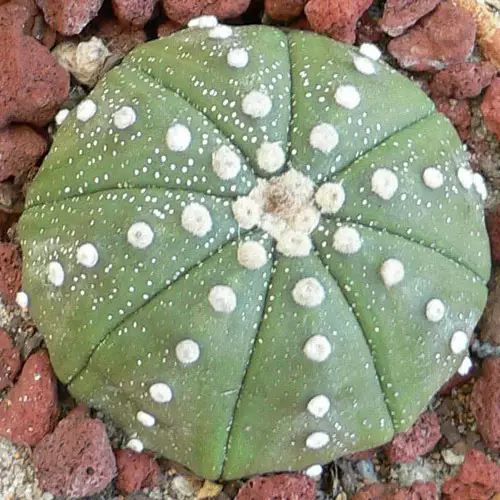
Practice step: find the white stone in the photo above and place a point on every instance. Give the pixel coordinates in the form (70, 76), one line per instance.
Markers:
(392, 272)
(196, 219)
(220, 32)
(347, 240)
(140, 235)
(187, 351)
(384, 183)
(433, 178)
(330, 197)
(317, 348)
(465, 366)
(226, 163)
(347, 96)
(314, 471)
(146, 419)
(434, 310)
(222, 299)
(270, 157)
(161, 392)
(466, 177)
(238, 58)
(135, 445)
(364, 65)
(22, 300)
(324, 137)
(459, 342)
(252, 255)
(306, 220)
(61, 115)
(203, 22)
(317, 440)
(55, 273)
(87, 255)
(371, 51)
(124, 117)
(318, 406)
(86, 110)
(480, 185)
(246, 212)
(178, 138)
(308, 292)
(257, 104)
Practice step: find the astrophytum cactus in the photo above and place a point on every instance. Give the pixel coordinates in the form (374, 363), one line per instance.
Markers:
(256, 249)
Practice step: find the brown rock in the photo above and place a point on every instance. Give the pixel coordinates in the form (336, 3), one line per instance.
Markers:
(167, 28)
(418, 440)
(301, 24)
(379, 491)
(119, 39)
(363, 455)
(76, 460)
(444, 37)
(135, 470)
(485, 403)
(69, 17)
(10, 360)
(490, 321)
(284, 10)
(478, 479)
(368, 30)
(401, 14)
(279, 487)
(29, 410)
(10, 272)
(458, 112)
(136, 13)
(456, 380)
(336, 18)
(181, 11)
(490, 107)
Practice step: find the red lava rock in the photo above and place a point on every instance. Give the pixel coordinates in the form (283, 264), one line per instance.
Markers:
(462, 80)
(10, 360)
(301, 24)
(493, 225)
(478, 479)
(167, 28)
(134, 12)
(284, 10)
(485, 403)
(490, 322)
(458, 112)
(29, 411)
(76, 460)
(401, 14)
(380, 491)
(135, 470)
(336, 18)
(20, 149)
(17, 14)
(181, 11)
(10, 272)
(444, 37)
(69, 17)
(490, 107)
(119, 39)
(368, 30)
(278, 487)
(418, 440)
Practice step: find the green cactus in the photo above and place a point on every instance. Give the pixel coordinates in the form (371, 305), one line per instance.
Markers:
(257, 250)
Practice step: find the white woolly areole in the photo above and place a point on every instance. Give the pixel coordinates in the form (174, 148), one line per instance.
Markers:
(187, 351)
(22, 300)
(306, 220)
(370, 50)
(161, 392)
(318, 406)
(55, 273)
(146, 419)
(270, 157)
(459, 342)
(465, 366)
(87, 255)
(314, 471)
(317, 348)
(237, 58)
(226, 163)
(330, 197)
(140, 235)
(392, 272)
(135, 445)
(384, 183)
(61, 115)
(222, 299)
(124, 117)
(246, 212)
(347, 240)
(196, 219)
(294, 244)
(317, 440)
(480, 185)
(86, 110)
(364, 65)
(347, 96)
(221, 32)
(324, 137)
(178, 138)
(434, 310)
(257, 104)
(308, 292)
(203, 22)
(252, 255)
(433, 178)
(466, 177)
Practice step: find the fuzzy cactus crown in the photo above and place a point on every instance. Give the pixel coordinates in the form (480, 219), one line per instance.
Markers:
(257, 250)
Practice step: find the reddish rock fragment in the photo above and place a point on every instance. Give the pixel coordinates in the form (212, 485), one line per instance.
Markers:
(379, 491)
(478, 479)
(418, 440)
(10, 272)
(368, 30)
(167, 28)
(490, 107)
(182, 11)
(301, 24)
(29, 411)
(279, 487)
(135, 470)
(76, 460)
(458, 112)
(363, 455)
(444, 37)
(485, 403)
(336, 18)
(490, 321)
(118, 39)
(136, 13)
(10, 360)
(401, 14)
(284, 10)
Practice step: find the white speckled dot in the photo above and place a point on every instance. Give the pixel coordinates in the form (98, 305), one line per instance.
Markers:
(465, 177)
(270, 157)
(459, 342)
(135, 445)
(178, 138)
(465, 366)
(187, 351)
(308, 292)
(257, 104)
(220, 32)
(22, 300)
(246, 212)
(347, 96)
(371, 51)
(86, 110)
(294, 244)
(87, 255)
(318, 406)
(196, 219)
(146, 419)
(364, 65)
(330, 197)
(434, 310)
(480, 185)
(222, 299)
(324, 137)
(160, 392)
(238, 58)
(226, 163)
(314, 471)
(55, 273)
(317, 348)
(433, 178)
(317, 440)
(347, 240)
(384, 183)
(252, 255)
(140, 235)
(124, 117)
(392, 272)
(61, 115)
(203, 22)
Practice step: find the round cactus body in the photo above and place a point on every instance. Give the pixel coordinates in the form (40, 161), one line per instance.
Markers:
(257, 250)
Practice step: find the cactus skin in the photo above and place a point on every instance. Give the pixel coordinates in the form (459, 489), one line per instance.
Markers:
(241, 405)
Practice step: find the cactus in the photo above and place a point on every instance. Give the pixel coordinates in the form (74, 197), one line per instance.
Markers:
(256, 249)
